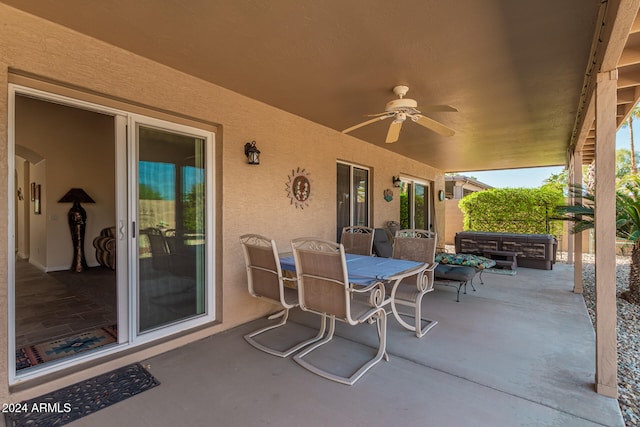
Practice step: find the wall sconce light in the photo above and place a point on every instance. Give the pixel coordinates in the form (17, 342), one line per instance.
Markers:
(252, 153)
(397, 182)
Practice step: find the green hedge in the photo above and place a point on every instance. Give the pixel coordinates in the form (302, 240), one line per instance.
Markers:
(513, 210)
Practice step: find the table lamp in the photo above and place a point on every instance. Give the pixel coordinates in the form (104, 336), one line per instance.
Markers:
(77, 223)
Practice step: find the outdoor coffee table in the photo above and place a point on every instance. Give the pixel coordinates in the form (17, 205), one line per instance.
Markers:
(479, 263)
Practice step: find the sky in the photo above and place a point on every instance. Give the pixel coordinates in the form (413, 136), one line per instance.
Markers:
(534, 177)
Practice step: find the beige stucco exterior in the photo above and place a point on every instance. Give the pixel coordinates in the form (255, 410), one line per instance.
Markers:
(248, 198)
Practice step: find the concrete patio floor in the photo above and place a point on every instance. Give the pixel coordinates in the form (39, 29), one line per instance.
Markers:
(519, 351)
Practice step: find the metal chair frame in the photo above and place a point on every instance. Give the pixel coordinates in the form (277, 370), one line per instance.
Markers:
(324, 289)
(261, 258)
(409, 292)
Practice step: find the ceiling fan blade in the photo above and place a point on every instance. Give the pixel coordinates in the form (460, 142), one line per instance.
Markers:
(394, 131)
(368, 122)
(431, 124)
(438, 109)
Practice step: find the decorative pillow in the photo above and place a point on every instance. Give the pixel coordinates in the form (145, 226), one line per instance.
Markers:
(469, 260)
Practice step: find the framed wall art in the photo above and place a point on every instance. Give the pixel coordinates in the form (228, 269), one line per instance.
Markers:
(36, 201)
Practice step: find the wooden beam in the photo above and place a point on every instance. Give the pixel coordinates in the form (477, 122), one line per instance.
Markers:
(630, 56)
(605, 236)
(627, 96)
(616, 18)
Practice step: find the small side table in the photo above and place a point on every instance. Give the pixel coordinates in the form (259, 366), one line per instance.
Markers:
(468, 260)
(503, 259)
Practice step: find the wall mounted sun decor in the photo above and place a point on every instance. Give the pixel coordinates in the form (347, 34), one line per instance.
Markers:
(299, 188)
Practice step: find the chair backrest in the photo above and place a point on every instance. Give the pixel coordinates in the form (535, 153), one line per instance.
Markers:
(264, 275)
(381, 245)
(156, 240)
(323, 281)
(357, 240)
(415, 245)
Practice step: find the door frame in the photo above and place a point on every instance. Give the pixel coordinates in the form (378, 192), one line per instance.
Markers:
(135, 337)
(126, 245)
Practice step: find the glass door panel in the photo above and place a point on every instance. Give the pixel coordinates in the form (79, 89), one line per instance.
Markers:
(361, 194)
(171, 224)
(420, 216)
(343, 214)
(415, 205)
(405, 205)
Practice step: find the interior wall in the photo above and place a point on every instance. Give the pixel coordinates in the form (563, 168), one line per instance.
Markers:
(37, 223)
(79, 151)
(22, 217)
(250, 199)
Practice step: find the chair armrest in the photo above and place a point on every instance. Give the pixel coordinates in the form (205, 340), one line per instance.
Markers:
(376, 291)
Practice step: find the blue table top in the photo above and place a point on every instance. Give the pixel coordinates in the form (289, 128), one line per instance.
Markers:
(365, 269)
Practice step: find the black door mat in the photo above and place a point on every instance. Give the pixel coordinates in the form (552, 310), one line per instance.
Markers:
(78, 400)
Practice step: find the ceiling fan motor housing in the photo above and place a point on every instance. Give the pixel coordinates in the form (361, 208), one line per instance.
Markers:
(401, 104)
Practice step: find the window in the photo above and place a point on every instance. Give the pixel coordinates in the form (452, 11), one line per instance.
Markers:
(352, 196)
(415, 205)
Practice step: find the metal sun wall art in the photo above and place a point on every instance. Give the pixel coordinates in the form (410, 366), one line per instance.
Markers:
(299, 188)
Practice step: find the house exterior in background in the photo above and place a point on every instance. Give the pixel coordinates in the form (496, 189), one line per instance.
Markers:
(456, 187)
(120, 102)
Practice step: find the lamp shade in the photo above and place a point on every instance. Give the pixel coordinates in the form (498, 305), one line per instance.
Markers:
(76, 195)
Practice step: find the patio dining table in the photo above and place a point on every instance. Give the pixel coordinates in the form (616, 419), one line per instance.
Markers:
(364, 270)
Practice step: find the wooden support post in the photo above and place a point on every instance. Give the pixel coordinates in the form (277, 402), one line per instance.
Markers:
(577, 238)
(605, 235)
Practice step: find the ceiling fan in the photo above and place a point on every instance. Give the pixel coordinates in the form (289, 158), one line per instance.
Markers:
(402, 108)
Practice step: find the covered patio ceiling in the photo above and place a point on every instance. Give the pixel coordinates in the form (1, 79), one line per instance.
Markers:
(517, 72)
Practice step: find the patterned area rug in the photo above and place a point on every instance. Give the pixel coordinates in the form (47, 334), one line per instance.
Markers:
(501, 271)
(40, 353)
(78, 400)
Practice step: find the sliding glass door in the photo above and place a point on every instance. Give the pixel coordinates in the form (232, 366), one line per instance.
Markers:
(172, 206)
(352, 197)
(149, 235)
(415, 205)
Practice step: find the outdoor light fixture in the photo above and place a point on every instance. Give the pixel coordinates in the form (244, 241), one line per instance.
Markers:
(77, 223)
(397, 182)
(252, 153)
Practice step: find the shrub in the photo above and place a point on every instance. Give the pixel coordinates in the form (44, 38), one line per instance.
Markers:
(513, 210)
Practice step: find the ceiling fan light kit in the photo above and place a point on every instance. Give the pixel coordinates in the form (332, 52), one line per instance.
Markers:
(402, 108)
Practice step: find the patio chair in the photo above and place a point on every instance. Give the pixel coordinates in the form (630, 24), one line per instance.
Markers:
(414, 245)
(324, 289)
(266, 282)
(357, 240)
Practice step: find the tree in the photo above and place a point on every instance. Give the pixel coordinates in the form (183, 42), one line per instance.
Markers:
(558, 181)
(627, 224)
(145, 192)
(635, 113)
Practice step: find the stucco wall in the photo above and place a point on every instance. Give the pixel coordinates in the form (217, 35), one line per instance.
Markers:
(455, 220)
(250, 198)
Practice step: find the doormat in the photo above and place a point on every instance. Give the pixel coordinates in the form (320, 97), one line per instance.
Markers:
(78, 400)
(501, 271)
(45, 352)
